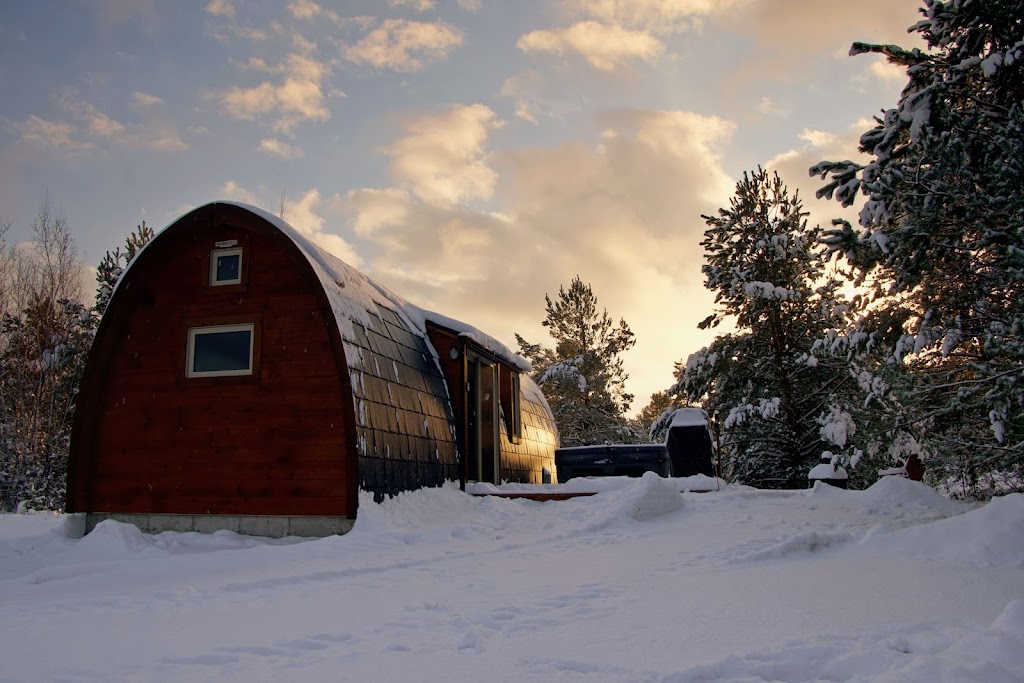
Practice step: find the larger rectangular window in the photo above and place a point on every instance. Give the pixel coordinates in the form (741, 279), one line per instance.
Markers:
(220, 351)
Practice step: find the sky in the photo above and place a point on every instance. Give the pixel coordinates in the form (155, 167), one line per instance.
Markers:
(471, 155)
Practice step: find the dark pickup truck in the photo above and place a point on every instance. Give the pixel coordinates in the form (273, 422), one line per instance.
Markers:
(619, 460)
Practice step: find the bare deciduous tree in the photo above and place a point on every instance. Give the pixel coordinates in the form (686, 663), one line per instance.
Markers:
(45, 334)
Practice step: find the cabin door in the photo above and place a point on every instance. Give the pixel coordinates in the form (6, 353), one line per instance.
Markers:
(482, 427)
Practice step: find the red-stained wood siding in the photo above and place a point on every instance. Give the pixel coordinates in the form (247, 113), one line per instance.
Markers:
(279, 442)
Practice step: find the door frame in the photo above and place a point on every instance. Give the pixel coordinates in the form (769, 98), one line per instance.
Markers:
(483, 423)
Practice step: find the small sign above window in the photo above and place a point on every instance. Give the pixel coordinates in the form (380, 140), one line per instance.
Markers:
(224, 244)
(225, 267)
(220, 351)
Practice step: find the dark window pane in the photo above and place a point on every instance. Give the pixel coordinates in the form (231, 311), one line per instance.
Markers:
(221, 351)
(227, 267)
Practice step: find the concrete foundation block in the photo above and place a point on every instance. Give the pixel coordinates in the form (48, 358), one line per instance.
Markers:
(273, 526)
(319, 526)
(163, 522)
(208, 524)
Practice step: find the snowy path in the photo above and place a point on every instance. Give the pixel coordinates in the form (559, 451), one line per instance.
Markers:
(732, 585)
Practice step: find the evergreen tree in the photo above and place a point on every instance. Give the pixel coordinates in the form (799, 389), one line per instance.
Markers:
(941, 240)
(649, 423)
(45, 337)
(114, 263)
(582, 376)
(41, 365)
(770, 394)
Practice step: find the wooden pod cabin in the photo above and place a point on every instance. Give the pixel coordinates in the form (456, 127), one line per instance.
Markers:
(244, 379)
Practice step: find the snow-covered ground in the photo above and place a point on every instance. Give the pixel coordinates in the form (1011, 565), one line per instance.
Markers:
(637, 583)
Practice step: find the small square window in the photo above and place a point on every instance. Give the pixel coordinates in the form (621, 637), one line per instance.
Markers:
(220, 351)
(225, 267)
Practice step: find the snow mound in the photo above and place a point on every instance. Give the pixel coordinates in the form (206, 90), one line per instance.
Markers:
(805, 543)
(115, 539)
(901, 491)
(652, 496)
(420, 511)
(699, 482)
(992, 535)
(827, 471)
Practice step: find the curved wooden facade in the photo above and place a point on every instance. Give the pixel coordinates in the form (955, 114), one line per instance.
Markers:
(342, 390)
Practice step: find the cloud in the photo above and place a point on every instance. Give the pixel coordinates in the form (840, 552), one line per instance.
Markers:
(144, 100)
(373, 210)
(620, 209)
(223, 34)
(235, 192)
(248, 103)
(225, 31)
(96, 129)
(817, 138)
(56, 134)
(161, 137)
(97, 122)
(417, 5)
(297, 97)
(403, 45)
(279, 148)
(469, 5)
(536, 94)
(441, 157)
(102, 125)
(605, 47)
(814, 27)
(885, 71)
(609, 36)
(767, 105)
(304, 9)
(221, 8)
(793, 164)
(303, 215)
(661, 16)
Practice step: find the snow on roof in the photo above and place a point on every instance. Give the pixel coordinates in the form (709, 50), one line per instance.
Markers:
(689, 417)
(470, 333)
(353, 296)
(826, 471)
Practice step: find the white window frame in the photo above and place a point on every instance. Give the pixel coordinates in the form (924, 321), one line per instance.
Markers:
(217, 253)
(215, 329)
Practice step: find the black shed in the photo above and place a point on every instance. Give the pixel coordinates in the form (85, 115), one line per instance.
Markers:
(689, 443)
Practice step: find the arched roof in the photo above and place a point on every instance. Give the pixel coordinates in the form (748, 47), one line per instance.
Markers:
(354, 297)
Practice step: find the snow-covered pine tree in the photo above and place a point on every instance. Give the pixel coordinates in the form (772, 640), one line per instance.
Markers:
(582, 377)
(114, 263)
(768, 393)
(941, 239)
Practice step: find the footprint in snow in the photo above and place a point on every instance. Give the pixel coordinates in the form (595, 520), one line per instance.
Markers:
(471, 643)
